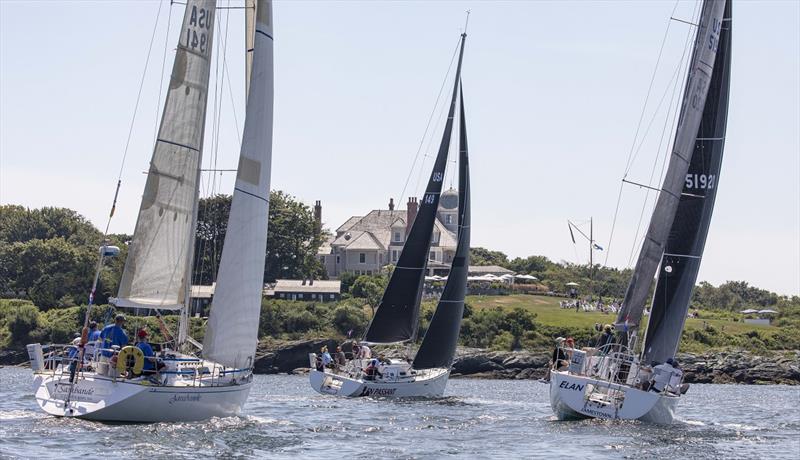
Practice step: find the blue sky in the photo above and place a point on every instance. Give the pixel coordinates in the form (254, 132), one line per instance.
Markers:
(554, 92)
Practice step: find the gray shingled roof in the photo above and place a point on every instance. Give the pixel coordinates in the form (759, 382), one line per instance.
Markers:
(317, 286)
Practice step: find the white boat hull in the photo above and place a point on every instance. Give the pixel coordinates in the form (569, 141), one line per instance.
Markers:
(573, 397)
(429, 385)
(103, 399)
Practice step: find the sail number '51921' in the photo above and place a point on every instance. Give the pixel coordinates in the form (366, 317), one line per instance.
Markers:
(199, 24)
(707, 181)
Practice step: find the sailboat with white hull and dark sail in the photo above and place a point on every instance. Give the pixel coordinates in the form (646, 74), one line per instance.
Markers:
(626, 379)
(396, 319)
(107, 384)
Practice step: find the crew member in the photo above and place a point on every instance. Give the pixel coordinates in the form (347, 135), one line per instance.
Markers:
(93, 337)
(147, 351)
(113, 334)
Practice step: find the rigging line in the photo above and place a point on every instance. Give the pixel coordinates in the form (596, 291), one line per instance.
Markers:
(636, 135)
(430, 118)
(683, 62)
(650, 88)
(139, 94)
(218, 84)
(233, 103)
(161, 79)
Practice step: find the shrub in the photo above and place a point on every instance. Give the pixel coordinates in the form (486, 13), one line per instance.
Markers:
(348, 318)
(21, 320)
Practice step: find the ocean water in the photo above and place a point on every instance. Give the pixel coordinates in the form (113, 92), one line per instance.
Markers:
(285, 418)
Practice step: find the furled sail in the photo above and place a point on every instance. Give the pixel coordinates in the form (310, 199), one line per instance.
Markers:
(232, 331)
(700, 72)
(439, 344)
(687, 237)
(157, 268)
(397, 316)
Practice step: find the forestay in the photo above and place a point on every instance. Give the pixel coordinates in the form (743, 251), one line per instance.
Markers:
(700, 70)
(687, 236)
(156, 270)
(398, 312)
(232, 331)
(439, 344)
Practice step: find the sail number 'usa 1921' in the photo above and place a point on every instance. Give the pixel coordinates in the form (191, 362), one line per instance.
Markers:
(197, 32)
(707, 181)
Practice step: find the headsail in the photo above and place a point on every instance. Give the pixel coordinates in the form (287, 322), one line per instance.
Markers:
(439, 345)
(397, 316)
(157, 268)
(232, 331)
(700, 70)
(687, 236)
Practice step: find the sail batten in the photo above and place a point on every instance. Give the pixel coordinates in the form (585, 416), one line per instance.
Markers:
(156, 270)
(397, 316)
(232, 330)
(654, 246)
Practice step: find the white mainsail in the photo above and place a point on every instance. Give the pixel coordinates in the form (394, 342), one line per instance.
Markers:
(159, 256)
(232, 331)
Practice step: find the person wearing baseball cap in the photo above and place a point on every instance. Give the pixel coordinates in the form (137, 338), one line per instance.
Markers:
(113, 334)
(147, 351)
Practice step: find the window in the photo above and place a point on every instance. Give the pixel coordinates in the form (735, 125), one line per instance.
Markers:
(322, 260)
(448, 219)
(433, 255)
(397, 236)
(362, 258)
(338, 260)
(394, 255)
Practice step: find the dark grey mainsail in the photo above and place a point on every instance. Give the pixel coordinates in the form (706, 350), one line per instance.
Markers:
(397, 315)
(439, 345)
(687, 237)
(697, 84)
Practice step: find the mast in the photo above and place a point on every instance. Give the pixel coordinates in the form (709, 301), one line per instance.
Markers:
(439, 344)
(397, 316)
(232, 331)
(158, 268)
(700, 72)
(687, 236)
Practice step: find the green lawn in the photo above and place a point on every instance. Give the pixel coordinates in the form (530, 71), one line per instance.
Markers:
(719, 331)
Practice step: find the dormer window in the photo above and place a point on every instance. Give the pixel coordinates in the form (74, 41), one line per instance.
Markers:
(398, 237)
(448, 219)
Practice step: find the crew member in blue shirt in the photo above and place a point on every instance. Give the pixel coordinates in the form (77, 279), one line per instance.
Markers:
(147, 351)
(113, 334)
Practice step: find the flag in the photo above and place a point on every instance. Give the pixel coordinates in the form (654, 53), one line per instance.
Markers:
(597, 246)
(349, 333)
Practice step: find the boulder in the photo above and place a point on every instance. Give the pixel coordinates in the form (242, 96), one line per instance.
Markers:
(289, 356)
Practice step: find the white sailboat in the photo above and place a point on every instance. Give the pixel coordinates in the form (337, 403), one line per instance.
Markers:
(616, 381)
(397, 316)
(217, 381)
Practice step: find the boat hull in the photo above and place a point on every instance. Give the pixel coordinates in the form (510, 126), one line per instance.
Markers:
(103, 399)
(574, 397)
(431, 385)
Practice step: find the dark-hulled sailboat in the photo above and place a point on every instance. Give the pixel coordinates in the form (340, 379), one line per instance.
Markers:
(396, 319)
(617, 382)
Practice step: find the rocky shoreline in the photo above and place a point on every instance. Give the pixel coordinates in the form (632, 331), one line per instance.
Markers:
(711, 367)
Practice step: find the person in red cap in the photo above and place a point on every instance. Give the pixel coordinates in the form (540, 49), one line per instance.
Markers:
(147, 350)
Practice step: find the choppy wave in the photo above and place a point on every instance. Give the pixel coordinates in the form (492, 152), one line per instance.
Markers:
(284, 418)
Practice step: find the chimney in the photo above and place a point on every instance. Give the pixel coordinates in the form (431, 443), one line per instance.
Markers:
(318, 212)
(391, 204)
(411, 213)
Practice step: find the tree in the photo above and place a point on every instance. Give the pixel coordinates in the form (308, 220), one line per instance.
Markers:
(532, 264)
(370, 288)
(483, 256)
(293, 238)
